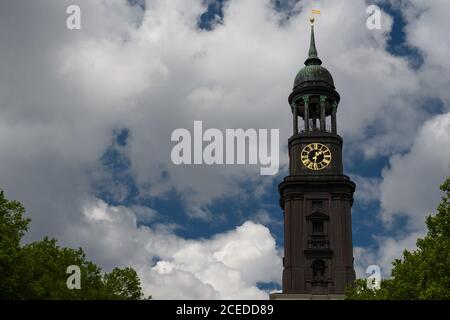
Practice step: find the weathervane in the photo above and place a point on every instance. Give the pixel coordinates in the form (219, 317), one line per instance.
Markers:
(311, 18)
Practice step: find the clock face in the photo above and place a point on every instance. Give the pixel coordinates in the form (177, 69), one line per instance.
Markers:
(316, 156)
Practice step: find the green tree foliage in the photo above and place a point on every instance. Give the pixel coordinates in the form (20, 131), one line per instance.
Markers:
(39, 270)
(123, 284)
(12, 228)
(423, 273)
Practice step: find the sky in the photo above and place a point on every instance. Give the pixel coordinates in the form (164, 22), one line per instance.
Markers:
(86, 118)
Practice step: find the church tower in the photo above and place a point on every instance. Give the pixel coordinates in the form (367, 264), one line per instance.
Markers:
(316, 196)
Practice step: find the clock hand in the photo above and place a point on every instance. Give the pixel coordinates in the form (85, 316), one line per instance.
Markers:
(317, 153)
(315, 157)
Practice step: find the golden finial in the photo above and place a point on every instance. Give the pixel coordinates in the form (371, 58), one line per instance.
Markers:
(313, 12)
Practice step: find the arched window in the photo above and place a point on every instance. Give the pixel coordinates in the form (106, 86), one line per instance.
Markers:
(318, 270)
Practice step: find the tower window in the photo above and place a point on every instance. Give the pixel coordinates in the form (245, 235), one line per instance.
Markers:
(317, 227)
(317, 205)
(318, 270)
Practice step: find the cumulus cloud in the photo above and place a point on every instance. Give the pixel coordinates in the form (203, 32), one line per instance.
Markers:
(410, 185)
(388, 249)
(264, 217)
(426, 25)
(154, 72)
(368, 189)
(227, 266)
(409, 189)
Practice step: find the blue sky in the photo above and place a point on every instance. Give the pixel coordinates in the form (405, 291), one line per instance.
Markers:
(86, 118)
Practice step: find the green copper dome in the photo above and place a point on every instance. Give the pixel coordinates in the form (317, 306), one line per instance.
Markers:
(313, 73)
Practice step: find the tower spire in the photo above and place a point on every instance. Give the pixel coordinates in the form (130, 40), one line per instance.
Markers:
(312, 55)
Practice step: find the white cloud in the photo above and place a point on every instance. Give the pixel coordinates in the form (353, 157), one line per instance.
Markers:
(368, 189)
(227, 266)
(144, 214)
(163, 73)
(265, 217)
(410, 189)
(388, 249)
(410, 186)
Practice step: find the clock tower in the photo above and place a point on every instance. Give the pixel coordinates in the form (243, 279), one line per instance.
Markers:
(316, 196)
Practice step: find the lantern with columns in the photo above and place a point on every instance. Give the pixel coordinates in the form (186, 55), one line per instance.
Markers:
(314, 97)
